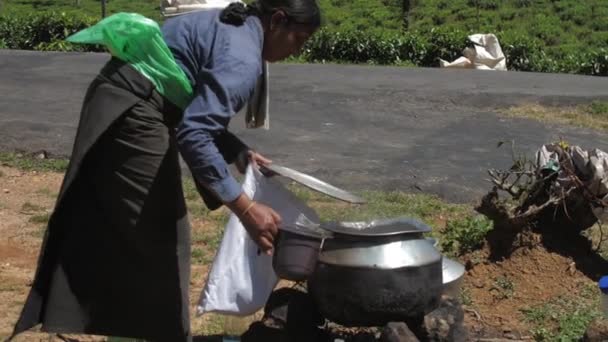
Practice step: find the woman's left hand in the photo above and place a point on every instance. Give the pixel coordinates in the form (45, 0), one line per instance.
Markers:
(250, 156)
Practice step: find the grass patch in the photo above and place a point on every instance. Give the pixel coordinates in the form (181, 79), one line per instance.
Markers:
(598, 109)
(31, 163)
(39, 233)
(564, 318)
(46, 192)
(29, 207)
(211, 324)
(466, 297)
(211, 237)
(503, 288)
(198, 255)
(594, 115)
(190, 192)
(427, 208)
(40, 218)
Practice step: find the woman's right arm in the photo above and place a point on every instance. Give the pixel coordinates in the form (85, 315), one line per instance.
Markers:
(220, 94)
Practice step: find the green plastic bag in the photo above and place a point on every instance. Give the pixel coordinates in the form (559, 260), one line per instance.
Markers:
(138, 41)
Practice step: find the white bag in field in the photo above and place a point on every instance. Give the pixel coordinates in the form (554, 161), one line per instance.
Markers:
(241, 280)
(486, 54)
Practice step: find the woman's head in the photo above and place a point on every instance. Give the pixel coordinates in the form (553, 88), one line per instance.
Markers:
(287, 24)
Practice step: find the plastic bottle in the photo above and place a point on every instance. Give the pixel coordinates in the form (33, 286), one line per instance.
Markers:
(603, 285)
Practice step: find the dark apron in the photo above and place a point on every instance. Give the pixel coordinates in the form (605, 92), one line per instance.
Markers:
(115, 259)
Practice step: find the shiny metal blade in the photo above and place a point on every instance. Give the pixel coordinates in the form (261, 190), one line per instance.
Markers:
(315, 184)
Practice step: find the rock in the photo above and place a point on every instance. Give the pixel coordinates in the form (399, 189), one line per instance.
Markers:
(6, 191)
(42, 155)
(469, 265)
(258, 332)
(364, 337)
(597, 331)
(478, 283)
(397, 332)
(446, 323)
(295, 312)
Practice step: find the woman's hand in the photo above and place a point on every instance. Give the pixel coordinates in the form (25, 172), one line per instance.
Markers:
(261, 222)
(250, 156)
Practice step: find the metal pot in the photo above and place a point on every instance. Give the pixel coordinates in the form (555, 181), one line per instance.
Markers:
(295, 255)
(453, 273)
(297, 250)
(383, 272)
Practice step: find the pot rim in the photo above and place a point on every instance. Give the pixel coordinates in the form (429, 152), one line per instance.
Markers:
(392, 255)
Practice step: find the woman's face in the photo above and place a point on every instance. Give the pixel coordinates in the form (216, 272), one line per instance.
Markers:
(283, 39)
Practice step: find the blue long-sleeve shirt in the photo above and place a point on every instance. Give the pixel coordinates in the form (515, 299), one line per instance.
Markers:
(223, 63)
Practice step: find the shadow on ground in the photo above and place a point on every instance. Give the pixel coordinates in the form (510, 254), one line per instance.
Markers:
(212, 338)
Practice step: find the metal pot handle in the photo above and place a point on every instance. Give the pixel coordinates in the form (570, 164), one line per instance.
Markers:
(322, 244)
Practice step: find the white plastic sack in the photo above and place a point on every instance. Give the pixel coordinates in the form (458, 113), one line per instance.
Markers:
(485, 55)
(591, 166)
(241, 280)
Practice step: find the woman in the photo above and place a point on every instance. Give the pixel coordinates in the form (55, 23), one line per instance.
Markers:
(116, 256)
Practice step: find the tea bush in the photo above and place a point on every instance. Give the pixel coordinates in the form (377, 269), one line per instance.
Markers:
(46, 31)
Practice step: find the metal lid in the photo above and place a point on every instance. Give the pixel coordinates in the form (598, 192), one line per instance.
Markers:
(385, 227)
(452, 270)
(314, 183)
(316, 233)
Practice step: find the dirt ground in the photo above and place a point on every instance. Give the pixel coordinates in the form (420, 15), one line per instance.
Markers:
(497, 291)
(533, 276)
(26, 199)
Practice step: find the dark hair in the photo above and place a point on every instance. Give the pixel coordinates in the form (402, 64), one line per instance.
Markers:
(304, 12)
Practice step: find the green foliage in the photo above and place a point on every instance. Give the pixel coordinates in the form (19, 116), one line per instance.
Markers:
(362, 15)
(598, 108)
(29, 207)
(465, 297)
(563, 318)
(358, 47)
(524, 53)
(40, 218)
(198, 256)
(547, 40)
(380, 205)
(553, 23)
(44, 31)
(504, 288)
(91, 8)
(28, 162)
(57, 45)
(465, 235)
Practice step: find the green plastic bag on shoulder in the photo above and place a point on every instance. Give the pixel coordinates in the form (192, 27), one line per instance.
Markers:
(137, 40)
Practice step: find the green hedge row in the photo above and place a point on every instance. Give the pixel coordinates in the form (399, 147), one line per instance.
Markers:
(424, 49)
(43, 31)
(47, 31)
